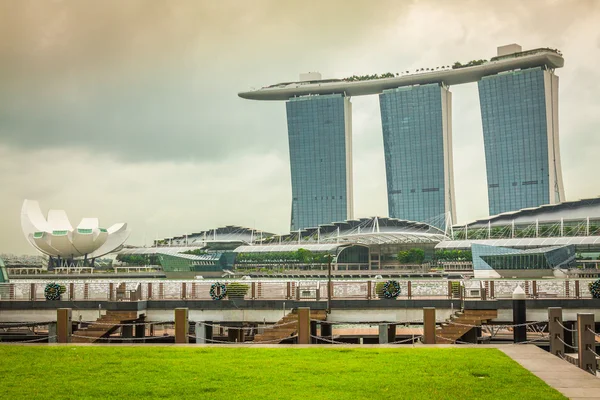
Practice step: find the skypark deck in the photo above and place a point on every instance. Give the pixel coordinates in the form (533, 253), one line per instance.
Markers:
(528, 59)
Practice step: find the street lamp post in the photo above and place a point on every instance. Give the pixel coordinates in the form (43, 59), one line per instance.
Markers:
(329, 284)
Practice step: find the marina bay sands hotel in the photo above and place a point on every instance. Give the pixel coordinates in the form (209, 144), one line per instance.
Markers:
(518, 94)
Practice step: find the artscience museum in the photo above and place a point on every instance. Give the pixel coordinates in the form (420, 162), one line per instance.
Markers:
(65, 245)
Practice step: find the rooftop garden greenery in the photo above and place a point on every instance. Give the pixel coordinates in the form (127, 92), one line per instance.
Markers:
(471, 63)
(196, 252)
(355, 78)
(453, 255)
(301, 256)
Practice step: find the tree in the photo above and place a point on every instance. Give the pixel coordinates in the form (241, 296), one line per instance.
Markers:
(411, 256)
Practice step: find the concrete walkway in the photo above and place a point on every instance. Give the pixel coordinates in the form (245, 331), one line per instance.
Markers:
(563, 376)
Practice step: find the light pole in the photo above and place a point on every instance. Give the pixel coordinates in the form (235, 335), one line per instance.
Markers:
(329, 284)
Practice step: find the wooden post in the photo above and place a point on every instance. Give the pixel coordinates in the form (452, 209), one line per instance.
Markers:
(193, 290)
(409, 289)
(368, 290)
(149, 290)
(492, 294)
(577, 288)
(253, 285)
(71, 291)
(111, 291)
(303, 325)
(181, 325)
(183, 290)
(587, 342)
(429, 325)
(161, 291)
(555, 330)
(63, 325)
(288, 291)
(32, 292)
(535, 292)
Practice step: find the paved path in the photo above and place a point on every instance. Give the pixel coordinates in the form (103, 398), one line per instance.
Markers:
(563, 376)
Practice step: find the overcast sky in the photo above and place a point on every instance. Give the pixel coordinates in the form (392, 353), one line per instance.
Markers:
(128, 110)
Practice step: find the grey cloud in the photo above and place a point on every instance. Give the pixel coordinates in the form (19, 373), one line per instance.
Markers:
(146, 91)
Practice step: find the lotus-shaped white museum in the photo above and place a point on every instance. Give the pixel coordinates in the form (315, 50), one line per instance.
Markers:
(56, 237)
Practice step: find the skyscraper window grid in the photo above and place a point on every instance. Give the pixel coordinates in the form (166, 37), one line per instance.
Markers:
(515, 112)
(416, 146)
(319, 132)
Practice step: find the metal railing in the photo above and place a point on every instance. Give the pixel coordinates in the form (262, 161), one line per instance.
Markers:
(136, 290)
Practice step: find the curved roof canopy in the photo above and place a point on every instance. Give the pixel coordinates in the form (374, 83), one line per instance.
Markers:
(56, 237)
(225, 234)
(526, 59)
(591, 243)
(567, 210)
(366, 231)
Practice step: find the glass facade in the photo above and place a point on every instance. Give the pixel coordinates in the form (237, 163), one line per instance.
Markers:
(417, 139)
(184, 263)
(501, 258)
(319, 131)
(520, 131)
(3, 273)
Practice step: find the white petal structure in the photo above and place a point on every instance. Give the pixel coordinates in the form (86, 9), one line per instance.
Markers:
(56, 237)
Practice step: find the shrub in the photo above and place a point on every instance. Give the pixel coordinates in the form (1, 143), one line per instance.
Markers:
(237, 290)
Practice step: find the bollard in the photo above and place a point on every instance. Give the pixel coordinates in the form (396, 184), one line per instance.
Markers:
(208, 331)
(181, 325)
(303, 325)
(429, 325)
(140, 330)
(127, 331)
(556, 331)
(587, 342)
(313, 331)
(63, 325)
(519, 315)
(326, 330)
(391, 333)
(200, 333)
(52, 333)
(383, 334)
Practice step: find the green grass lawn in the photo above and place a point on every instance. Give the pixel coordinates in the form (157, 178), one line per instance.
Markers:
(79, 372)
